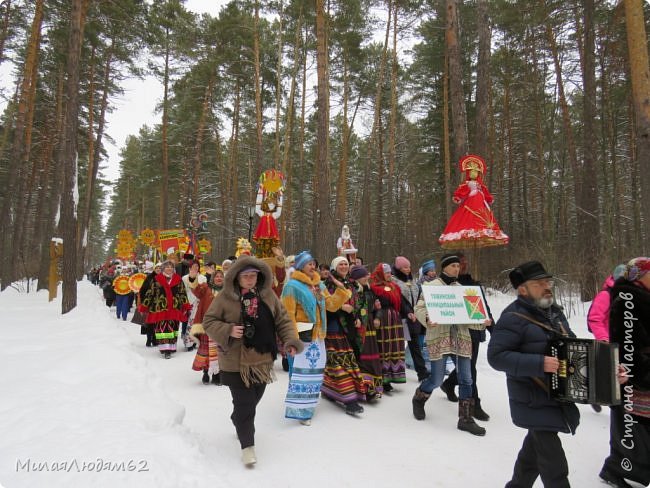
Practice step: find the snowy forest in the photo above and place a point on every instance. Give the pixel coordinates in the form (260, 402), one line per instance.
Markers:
(366, 106)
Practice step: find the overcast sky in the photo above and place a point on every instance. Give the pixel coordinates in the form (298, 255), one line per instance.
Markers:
(137, 106)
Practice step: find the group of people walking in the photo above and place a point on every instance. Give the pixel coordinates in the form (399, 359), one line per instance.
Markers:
(344, 331)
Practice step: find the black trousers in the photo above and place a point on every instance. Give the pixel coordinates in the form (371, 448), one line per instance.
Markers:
(541, 455)
(452, 380)
(244, 401)
(629, 446)
(416, 350)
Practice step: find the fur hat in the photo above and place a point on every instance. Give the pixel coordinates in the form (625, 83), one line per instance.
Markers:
(530, 270)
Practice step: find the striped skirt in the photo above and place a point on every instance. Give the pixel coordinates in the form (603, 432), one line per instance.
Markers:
(343, 381)
(370, 362)
(206, 355)
(166, 335)
(305, 380)
(390, 339)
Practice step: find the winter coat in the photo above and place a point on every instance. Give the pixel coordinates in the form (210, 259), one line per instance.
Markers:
(598, 315)
(411, 292)
(225, 312)
(517, 347)
(165, 300)
(629, 326)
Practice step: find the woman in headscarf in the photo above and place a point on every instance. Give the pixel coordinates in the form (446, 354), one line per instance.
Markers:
(166, 305)
(307, 300)
(343, 382)
(366, 348)
(390, 333)
(243, 320)
(629, 326)
(207, 357)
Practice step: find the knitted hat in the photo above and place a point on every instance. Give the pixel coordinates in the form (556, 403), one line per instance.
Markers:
(637, 268)
(619, 271)
(358, 272)
(336, 261)
(302, 259)
(429, 265)
(385, 267)
(448, 259)
(401, 262)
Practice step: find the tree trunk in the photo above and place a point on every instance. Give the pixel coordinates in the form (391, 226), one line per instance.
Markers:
(232, 162)
(445, 137)
(259, 150)
(342, 180)
(68, 158)
(278, 89)
(458, 114)
(164, 181)
(11, 201)
(321, 165)
(54, 177)
(287, 163)
(94, 153)
(640, 76)
(588, 221)
(5, 28)
(482, 78)
(198, 146)
(393, 184)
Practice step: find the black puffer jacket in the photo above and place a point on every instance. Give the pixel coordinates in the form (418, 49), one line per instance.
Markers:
(518, 347)
(629, 326)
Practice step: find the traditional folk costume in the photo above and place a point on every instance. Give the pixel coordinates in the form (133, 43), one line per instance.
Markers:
(365, 343)
(307, 300)
(391, 331)
(343, 381)
(473, 223)
(166, 305)
(207, 357)
(194, 301)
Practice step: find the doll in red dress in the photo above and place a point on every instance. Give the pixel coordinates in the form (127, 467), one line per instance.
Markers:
(268, 206)
(473, 223)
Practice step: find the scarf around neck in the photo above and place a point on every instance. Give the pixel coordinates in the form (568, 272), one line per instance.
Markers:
(308, 293)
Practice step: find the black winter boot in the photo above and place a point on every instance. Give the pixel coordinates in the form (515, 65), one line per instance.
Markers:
(206, 378)
(479, 413)
(465, 420)
(419, 399)
(216, 379)
(448, 389)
